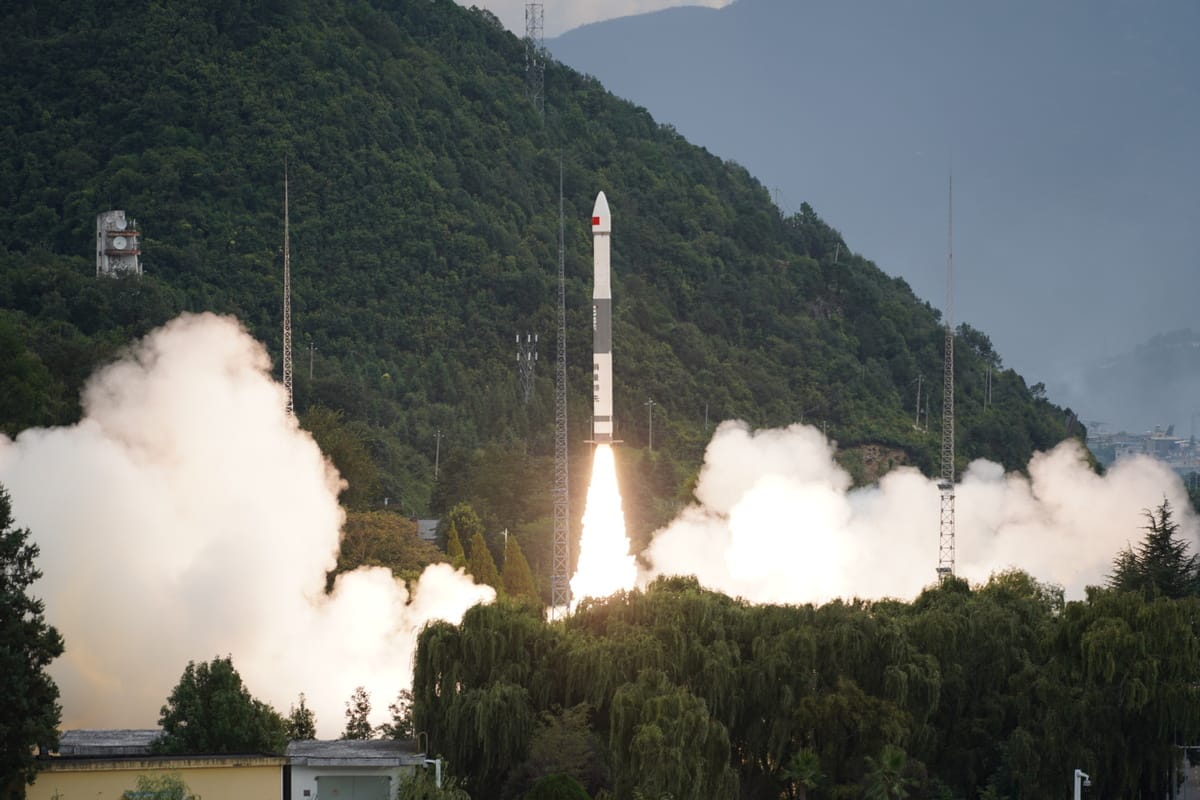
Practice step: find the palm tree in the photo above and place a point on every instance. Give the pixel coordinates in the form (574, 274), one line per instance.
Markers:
(885, 778)
(803, 771)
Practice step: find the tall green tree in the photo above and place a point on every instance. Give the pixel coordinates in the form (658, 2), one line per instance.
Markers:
(1162, 565)
(301, 721)
(400, 726)
(481, 564)
(28, 644)
(210, 711)
(454, 548)
(516, 575)
(358, 711)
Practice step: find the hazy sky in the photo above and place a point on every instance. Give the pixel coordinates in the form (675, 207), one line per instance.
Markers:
(563, 15)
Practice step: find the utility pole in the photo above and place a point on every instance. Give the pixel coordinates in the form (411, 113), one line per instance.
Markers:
(649, 404)
(437, 453)
(917, 411)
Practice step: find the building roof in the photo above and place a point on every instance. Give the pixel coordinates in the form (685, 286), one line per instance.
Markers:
(427, 529)
(105, 743)
(354, 753)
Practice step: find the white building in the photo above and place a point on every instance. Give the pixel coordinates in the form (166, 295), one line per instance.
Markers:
(349, 769)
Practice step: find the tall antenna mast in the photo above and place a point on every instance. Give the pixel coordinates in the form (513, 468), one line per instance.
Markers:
(560, 580)
(945, 567)
(535, 63)
(287, 298)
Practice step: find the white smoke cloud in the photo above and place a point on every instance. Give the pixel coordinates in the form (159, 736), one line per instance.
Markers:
(187, 516)
(775, 521)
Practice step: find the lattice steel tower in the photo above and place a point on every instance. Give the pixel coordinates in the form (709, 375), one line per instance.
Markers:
(287, 300)
(527, 356)
(945, 567)
(560, 580)
(535, 57)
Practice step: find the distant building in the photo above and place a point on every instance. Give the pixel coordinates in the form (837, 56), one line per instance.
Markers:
(350, 769)
(427, 529)
(107, 763)
(118, 244)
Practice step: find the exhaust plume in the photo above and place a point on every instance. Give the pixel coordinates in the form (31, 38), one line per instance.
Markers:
(187, 516)
(775, 521)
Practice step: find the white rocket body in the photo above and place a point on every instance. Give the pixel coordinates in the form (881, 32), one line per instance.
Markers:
(602, 380)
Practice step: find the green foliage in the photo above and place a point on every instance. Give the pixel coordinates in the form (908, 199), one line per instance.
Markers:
(692, 694)
(210, 711)
(27, 646)
(516, 575)
(454, 548)
(481, 564)
(401, 725)
(170, 786)
(383, 539)
(358, 709)
(557, 787)
(347, 449)
(1161, 566)
(422, 786)
(301, 722)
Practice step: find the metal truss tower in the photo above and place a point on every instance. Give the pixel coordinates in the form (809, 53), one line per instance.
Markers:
(527, 357)
(560, 580)
(535, 57)
(945, 567)
(287, 299)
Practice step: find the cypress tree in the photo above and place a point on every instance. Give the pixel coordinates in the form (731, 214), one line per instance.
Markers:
(518, 578)
(481, 564)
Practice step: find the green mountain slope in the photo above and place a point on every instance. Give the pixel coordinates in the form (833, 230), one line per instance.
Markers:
(424, 199)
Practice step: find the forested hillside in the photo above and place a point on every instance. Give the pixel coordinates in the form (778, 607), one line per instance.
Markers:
(424, 218)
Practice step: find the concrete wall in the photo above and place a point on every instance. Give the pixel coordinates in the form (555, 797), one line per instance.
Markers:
(245, 778)
(304, 779)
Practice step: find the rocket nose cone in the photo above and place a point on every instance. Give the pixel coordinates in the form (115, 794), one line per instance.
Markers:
(601, 218)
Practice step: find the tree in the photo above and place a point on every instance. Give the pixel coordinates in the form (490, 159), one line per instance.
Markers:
(803, 771)
(401, 724)
(346, 448)
(159, 787)
(28, 696)
(885, 779)
(301, 722)
(518, 578)
(454, 548)
(1161, 566)
(557, 787)
(358, 709)
(210, 711)
(480, 562)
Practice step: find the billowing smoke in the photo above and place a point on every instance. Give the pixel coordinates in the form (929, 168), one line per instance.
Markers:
(776, 521)
(187, 516)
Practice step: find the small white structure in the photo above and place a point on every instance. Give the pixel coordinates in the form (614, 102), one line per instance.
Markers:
(350, 769)
(118, 244)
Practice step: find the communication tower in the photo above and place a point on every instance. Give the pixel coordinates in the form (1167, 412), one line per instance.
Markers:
(287, 300)
(117, 244)
(527, 357)
(535, 57)
(560, 579)
(945, 567)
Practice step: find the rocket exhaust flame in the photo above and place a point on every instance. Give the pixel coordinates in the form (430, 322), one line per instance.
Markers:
(605, 564)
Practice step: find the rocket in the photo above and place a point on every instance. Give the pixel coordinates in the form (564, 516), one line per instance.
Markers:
(602, 380)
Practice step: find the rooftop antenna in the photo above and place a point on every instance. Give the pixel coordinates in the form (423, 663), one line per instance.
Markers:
(945, 567)
(535, 62)
(560, 580)
(287, 299)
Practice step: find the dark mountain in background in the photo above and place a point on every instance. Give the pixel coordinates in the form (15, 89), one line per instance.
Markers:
(424, 212)
(1070, 129)
(1153, 385)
